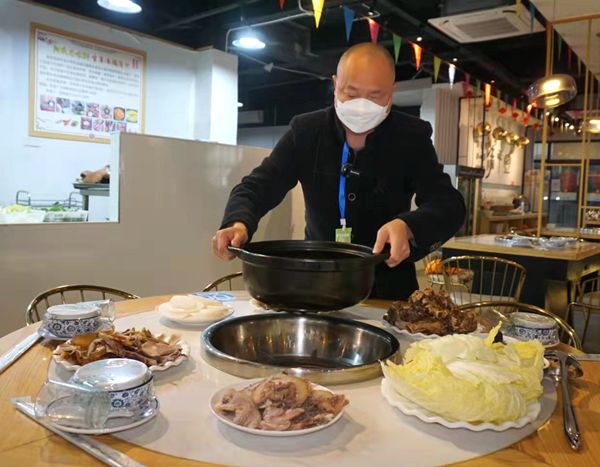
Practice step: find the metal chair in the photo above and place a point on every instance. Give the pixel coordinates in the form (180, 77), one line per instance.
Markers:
(214, 286)
(587, 301)
(71, 294)
(566, 331)
(483, 278)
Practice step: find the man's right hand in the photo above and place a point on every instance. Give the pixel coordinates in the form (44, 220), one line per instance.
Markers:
(236, 235)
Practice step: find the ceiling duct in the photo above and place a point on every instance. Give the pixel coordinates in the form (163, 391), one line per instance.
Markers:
(484, 20)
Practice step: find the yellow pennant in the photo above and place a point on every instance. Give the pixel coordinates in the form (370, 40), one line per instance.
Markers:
(318, 9)
(437, 61)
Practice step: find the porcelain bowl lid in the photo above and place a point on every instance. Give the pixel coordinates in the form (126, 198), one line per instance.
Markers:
(113, 374)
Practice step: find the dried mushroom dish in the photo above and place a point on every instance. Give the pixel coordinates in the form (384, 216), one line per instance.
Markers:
(430, 312)
(139, 345)
(280, 403)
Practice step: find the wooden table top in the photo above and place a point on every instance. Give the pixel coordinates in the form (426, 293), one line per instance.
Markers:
(569, 232)
(24, 442)
(486, 243)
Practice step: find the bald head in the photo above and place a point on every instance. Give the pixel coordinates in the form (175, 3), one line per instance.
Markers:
(365, 70)
(368, 53)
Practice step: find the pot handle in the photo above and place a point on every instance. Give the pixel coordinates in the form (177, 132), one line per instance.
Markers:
(235, 250)
(383, 256)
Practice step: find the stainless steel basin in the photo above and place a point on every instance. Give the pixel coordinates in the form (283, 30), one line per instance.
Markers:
(323, 349)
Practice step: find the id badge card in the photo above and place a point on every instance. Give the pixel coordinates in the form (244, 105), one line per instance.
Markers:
(343, 234)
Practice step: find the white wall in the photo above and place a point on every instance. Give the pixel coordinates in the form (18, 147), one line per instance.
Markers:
(47, 167)
(161, 243)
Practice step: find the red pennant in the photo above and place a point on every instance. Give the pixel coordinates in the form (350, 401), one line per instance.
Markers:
(418, 51)
(281, 3)
(373, 29)
(467, 91)
(487, 93)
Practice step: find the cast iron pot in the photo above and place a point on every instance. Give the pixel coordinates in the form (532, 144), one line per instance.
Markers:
(308, 276)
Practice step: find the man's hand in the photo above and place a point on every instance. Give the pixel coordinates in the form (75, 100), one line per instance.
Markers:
(397, 234)
(236, 235)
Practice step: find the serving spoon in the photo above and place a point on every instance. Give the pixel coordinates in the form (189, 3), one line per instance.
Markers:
(571, 428)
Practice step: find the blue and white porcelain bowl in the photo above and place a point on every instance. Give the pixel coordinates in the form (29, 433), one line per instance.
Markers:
(530, 326)
(128, 382)
(69, 320)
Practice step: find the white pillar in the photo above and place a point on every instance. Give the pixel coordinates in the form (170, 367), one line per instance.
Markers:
(216, 97)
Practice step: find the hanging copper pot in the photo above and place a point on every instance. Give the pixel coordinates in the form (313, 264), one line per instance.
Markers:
(499, 133)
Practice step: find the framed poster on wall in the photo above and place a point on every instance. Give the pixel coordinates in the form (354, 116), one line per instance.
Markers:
(83, 89)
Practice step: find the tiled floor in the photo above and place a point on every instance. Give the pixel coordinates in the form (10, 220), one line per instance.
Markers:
(592, 341)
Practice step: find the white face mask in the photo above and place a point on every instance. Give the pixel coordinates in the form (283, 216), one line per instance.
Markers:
(360, 115)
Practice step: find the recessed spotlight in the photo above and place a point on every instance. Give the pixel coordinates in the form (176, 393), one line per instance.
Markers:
(371, 13)
(492, 81)
(455, 59)
(419, 39)
(547, 114)
(556, 119)
(240, 104)
(571, 127)
(249, 42)
(120, 6)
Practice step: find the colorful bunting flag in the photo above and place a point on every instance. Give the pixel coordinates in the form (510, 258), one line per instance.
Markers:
(281, 3)
(373, 29)
(451, 73)
(418, 51)
(437, 61)
(477, 87)
(569, 56)
(515, 114)
(318, 10)
(558, 46)
(578, 66)
(467, 86)
(348, 20)
(397, 44)
(518, 4)
(488, 94)
(498, 96)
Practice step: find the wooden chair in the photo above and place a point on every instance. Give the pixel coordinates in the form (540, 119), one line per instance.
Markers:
(566, 331)
(228, 279)
(71, 294)
(587, 302)
(484, 278)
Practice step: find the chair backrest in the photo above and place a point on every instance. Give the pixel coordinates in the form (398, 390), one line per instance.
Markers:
(223, 283)
(71, 294)
(471, 279)
(500, 307)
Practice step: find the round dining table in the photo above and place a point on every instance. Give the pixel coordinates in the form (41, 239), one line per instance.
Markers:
(24, 442)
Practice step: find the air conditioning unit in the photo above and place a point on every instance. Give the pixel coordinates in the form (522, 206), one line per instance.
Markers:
(487, 25)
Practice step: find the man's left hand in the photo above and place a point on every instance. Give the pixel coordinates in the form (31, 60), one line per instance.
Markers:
(398, 235)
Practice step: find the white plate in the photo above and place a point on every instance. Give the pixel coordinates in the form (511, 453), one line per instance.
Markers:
(216, 397)
(420, 335)
(197, 322)
(185, 354)
(408, 407)
(116, 424)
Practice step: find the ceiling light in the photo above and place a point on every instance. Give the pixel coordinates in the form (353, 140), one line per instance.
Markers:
(571, 127)
(592, 123)
(455, 59)
(556, 119)
(595, 121)
(492, 81)
(419, 39)
(248, 41)
(240, 104)
(547, 113)
(552, 91)
(120, 6)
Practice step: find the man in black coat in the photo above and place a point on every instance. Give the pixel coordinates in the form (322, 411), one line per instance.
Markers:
(359, 165)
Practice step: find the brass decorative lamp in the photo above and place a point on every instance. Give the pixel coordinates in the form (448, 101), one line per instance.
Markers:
(552, 91)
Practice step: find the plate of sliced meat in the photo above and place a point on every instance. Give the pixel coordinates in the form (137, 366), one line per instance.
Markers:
(158, 352)
(429, 313)
(281, 405)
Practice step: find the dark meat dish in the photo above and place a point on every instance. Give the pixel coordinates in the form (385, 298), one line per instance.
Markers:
(280, 403)
(431, 312)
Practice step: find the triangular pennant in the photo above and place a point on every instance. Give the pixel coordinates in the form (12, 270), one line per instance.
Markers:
(451, 73)
(467, 86)
(437, 61)
(569, 57)
(498, 98)
(418, 51)
(532, 15)
(477, 87)
(578, 65)
(318, 10)
(348, 21)
(518, 5)
(488, 94)
(559, 42)
(374, 30)
(397, 44)
(281, 3)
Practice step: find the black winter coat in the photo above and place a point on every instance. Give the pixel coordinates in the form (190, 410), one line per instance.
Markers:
(397, 162)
